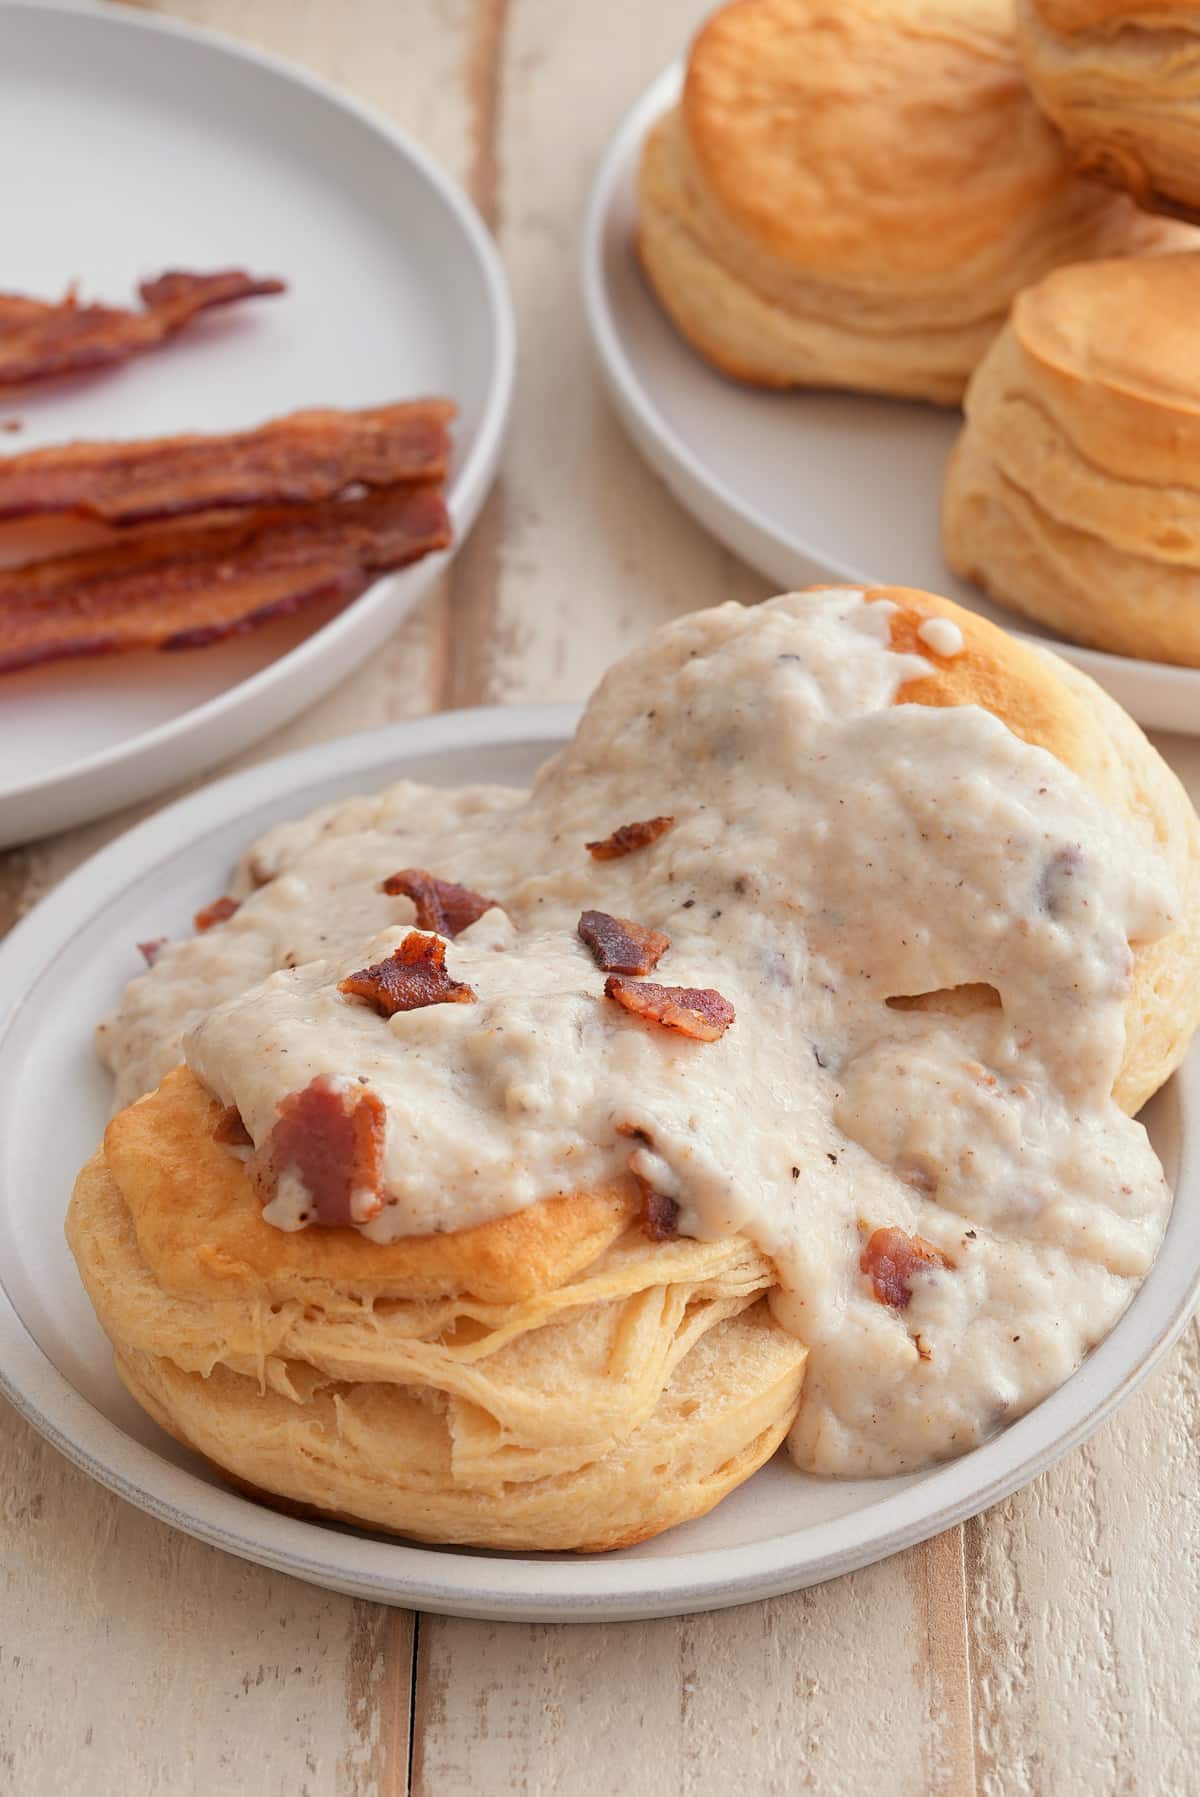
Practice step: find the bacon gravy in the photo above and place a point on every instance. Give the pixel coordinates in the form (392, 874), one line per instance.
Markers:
(957, 1208)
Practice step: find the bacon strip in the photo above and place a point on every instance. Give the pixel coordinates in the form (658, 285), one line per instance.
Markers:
(216, 911)
(42, 338)
(621, 946)
(413, 976)
(331, 1139)
(693, 1011)
(441, 905)
(194, 585)
(891, 1259)
(289, 461)
(628, 837)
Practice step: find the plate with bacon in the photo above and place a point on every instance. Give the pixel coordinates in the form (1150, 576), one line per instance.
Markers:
(282, 1386)
(256, 354)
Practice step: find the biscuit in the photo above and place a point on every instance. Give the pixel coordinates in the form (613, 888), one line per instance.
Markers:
(851, 196)
(1073, 493)
(553, 1379)
(1121, 80)
(1046, 701)
(587, 1413)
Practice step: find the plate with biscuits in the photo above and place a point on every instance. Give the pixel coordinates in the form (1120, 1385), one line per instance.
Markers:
(252, 394)
(868, 309)
(540, 1164)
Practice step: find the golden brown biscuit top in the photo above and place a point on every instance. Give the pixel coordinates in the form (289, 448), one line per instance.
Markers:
(1132, 325)
(1073, 17)
(200, 1226)
(871, 138)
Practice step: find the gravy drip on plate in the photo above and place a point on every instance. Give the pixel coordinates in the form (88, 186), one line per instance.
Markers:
(957, 1209)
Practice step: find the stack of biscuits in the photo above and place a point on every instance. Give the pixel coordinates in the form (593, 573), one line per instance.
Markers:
(965, 202)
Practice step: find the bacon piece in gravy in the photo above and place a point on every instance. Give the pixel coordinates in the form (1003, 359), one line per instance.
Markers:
(695, 1011)
(627, 837)
(892, 1259)
(413, 976)
(620, 945)
(441, 905)
(216, 912)
(660, 1214)
(330, 1138)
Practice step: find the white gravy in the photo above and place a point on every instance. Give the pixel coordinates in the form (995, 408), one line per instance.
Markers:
(832, 850)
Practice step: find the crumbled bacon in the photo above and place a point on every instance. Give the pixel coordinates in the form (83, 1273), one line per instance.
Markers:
(150, 951)
(660, 1215)
(230, 1129)
(692, 1011)
(441, 905)
(891, 1259)
(627, 837)
(620, 945)
(1059, 885)
(216, 912)
(413, 976)
(331, 1139)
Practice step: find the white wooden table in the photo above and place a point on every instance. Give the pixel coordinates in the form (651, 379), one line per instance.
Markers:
(1047, 1648)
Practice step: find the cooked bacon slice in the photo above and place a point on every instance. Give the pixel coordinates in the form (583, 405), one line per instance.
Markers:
(413, 976)
(441, 905)
(150, 951)
(692, 1011)
(627, 837)
(892, 1259)
(215, 912)
(294, 460)
(41, 338)
(194, 585)
(330, 1138)
(621, 946)
(230, 1129)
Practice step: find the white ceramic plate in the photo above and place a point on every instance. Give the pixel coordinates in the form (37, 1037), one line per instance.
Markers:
(66, 964)
(803, 486)
(158, 146)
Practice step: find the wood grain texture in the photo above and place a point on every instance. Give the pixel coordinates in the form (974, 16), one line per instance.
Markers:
(834, 1690)
(134, 1660)
(1047, 1649)
(145, 1663)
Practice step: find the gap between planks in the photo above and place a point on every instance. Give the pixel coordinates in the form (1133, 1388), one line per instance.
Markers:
(469, 608)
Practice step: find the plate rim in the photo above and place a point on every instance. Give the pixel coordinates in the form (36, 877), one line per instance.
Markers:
(523, 1587)
(658, 440)
(467, 488)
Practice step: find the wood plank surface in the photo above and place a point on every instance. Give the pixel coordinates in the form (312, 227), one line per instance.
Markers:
(1046, 1649)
